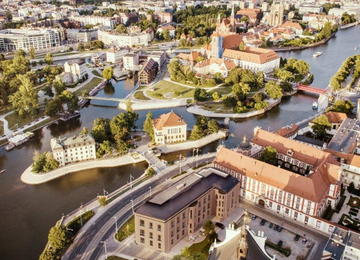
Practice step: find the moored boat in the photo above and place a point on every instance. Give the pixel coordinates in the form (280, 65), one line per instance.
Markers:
(315, 106)
(2, 171)
(9, 147)
(317, 54)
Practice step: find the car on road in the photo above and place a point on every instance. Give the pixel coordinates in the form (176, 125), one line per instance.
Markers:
(304, 241)
(220, 225)
(253, 217)
(271, 225)
(280, 243)
(262, 223)
(275, 227)
(297, 237)
(279, 229)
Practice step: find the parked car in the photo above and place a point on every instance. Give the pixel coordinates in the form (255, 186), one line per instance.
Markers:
(220, 225)
(271, 225)
(253, 217)
(275, 227)
(262, 223)
(297, 237)
(280, 243)
(279, 229)
(304, 241)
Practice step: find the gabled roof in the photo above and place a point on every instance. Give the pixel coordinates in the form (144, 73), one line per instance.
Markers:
(314, 187)
(335, 117)
(168, 120)
(254, 55)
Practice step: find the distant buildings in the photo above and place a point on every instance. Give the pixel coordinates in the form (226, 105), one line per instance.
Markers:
(183, 208)
(158, 56)
(276, 16)
(107, 22)
(170, 28)
(123, 39)
(81, 35)
(131, 60)
(170, 128)
(39, 39)
(213, 65)
(73, 149)
(310, 8)
(74, 71)
(115, 55)
(335, 119)
(148, 72)
(163, 17)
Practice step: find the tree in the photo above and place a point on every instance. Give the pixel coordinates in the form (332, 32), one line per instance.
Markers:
(32, 53)
(121, 28)
(269, 155)
(25, 100)
(301, 67)
(216, 95)
(213, 126)
(108, 73)
(200, 94)
(101, 130)
(166, 35)
(258, 97)
(58, 237)
(261, 105)
(240, 90)
(196, 133)
(47, 255)
(44, 162)
(149, 126)
(84, 131)
(104, 149)
(273, 90)
(81, 47)
(48, 58)
(320, 125)
(242, 46)
(343, 106)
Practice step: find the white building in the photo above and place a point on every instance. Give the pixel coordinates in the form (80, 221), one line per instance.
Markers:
(74, 149)
(169, 128)
(214, 65)
(131, 60)
(115, 55)
(170, 28)
(338, 12)
(310, 8)
(122, 40)
(254, 59)
(82, 35)
(108, 22)
(39, 39)
(158, 56)
(77, 70)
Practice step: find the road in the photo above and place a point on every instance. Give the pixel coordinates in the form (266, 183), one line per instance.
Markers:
(87, 244)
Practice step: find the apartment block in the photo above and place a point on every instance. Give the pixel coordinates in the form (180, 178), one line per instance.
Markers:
(183, 208)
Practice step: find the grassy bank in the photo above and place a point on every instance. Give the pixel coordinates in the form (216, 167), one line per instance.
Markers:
(126, 230)
(164, 87)
(89, 86)
(140, 95)
(15, 121)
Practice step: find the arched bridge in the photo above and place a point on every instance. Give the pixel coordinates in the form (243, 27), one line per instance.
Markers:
(120, 100)
(311, 89)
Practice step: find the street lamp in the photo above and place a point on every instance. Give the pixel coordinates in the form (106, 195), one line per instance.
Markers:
(116, 227)
(104, 242)
(131, 179)
(150, 191)
(180, 164)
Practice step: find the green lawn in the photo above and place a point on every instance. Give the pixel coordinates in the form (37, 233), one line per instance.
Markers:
(126, 230)
(201, 247)
(16, 122)
(347, 221)
(217, 108)
(354, 202)
(96, 73)
(4, 109)
(164, 87)
(140, 95)
(222, 90)
(1, 128)
(89, 86)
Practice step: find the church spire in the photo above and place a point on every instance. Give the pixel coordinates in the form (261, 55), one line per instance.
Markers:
(232, 19)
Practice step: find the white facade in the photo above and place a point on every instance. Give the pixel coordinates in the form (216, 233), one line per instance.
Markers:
(307, 8)
(73, 149)
(122, 40)
(158, 56)
(108, 22)
(39, 39)
(79, 35)
(171, 134)
(351, 174)
(338, 12)
(116, 55)
(76, 70)
(255, 67)
(131, 60)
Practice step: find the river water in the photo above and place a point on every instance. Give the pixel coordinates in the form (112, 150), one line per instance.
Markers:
(27, 212)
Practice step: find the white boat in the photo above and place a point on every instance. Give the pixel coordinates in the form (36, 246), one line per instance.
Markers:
(9, 147)
(317, 54)
(315, 106)
(2, 171)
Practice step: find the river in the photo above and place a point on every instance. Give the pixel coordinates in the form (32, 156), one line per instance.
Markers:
(27, 212)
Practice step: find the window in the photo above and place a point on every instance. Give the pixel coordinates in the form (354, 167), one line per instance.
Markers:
(142, 223)
(172, 223)
(177, 220)
(159, 245)
(183, 215)
(159, 228)
(142, 240)
(177, 236)
(190, 213)
(151, 225)
(142, 232)
(159, 237)
(172, 233)
(172, 241)
(151, 235)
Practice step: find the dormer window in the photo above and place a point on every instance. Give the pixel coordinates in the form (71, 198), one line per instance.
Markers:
(290, 153)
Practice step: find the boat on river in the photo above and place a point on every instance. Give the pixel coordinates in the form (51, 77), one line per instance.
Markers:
(68, 116)
(317, 54)
(315, 106)
(18, 139)
(2, 171)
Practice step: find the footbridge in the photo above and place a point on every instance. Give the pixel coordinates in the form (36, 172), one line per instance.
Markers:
(311, 89)
(143, 104)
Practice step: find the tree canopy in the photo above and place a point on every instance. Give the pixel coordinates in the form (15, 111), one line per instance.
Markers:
(44, 162)
(343, 106)
(269, 155)
(320, 125)
(273, 90)
(108, 73)
(149, 126)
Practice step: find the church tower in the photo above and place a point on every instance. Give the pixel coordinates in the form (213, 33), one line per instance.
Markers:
(216, 45)
(232, 20)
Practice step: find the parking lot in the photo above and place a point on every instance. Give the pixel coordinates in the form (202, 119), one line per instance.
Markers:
(287, 238)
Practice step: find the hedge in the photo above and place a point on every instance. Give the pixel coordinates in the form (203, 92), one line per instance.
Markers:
(285, 251)
(75, 224)
(328, 213)
(353, 190)
(340, 204)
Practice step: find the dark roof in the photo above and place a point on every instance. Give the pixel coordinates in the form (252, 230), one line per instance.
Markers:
(150, 65)
(309, 140)
(345, 138)
(211, 178)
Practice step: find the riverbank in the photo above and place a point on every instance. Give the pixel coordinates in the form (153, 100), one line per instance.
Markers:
(198, 110)
(299, 48)
(31, 178)
(348, 25)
